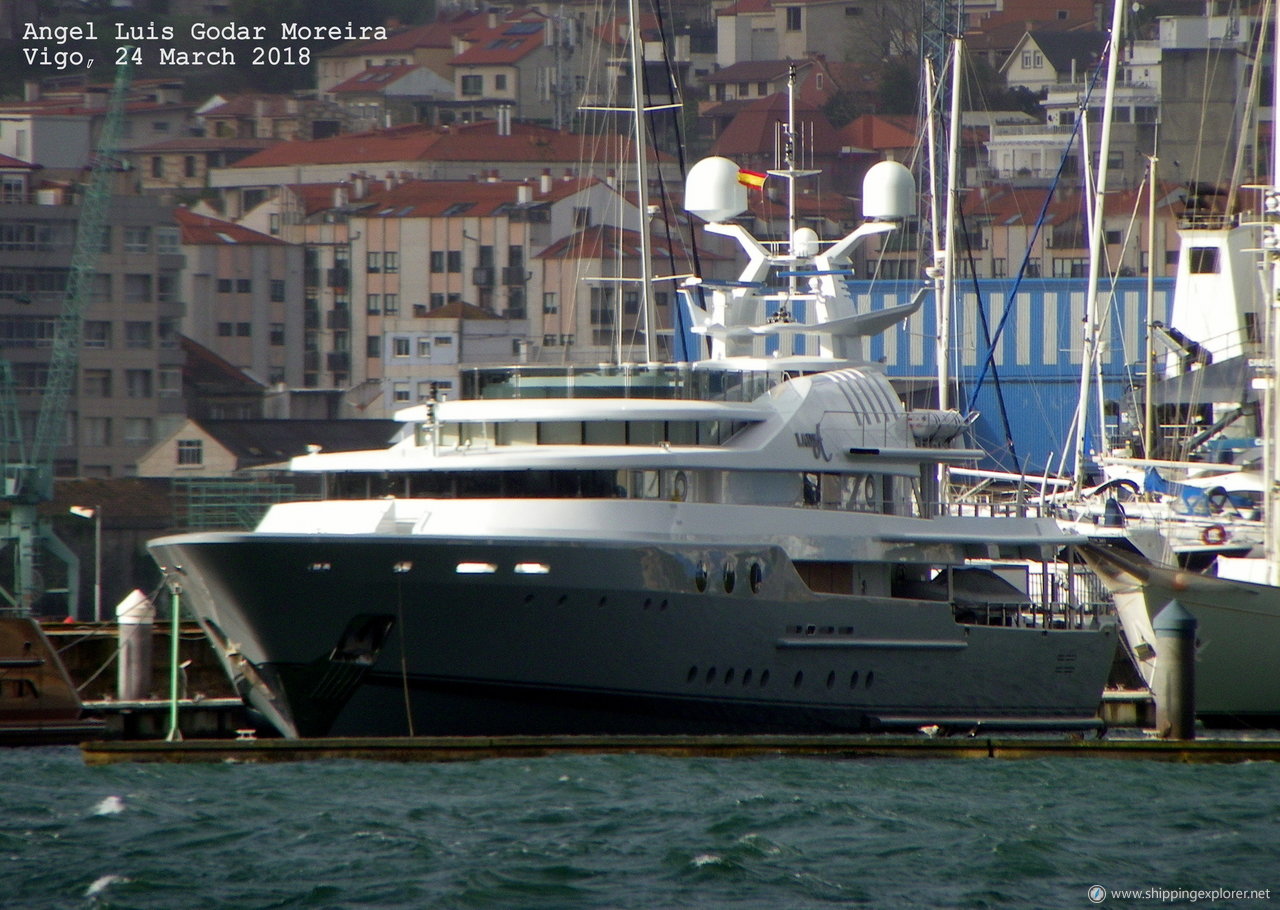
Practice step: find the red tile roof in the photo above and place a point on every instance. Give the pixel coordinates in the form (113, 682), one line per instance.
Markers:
(606, 242)
(6, 161)
(432, 198)
(374, 79)
(526, 143)
(203, 230)
(438, 34)
(753, 131)
(746, 6)
(511, 41)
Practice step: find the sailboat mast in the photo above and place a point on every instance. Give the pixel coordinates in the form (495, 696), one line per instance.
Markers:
(1271, 437)
(944, 302)
(639, 138)
(1092, 317)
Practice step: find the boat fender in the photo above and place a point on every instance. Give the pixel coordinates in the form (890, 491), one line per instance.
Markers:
(1214, 535)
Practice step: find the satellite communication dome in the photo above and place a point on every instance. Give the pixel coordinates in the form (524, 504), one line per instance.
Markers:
(804, 242)
(888, 192)
(712, 191)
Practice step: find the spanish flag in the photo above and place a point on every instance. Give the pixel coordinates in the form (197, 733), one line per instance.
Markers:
(751, 178)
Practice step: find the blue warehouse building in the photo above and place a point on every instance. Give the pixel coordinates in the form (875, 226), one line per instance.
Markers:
(1016, 356)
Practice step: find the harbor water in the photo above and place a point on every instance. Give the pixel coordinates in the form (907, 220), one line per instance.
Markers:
(631, 831)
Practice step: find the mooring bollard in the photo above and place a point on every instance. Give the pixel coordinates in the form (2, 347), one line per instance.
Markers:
(135, 618)
(1175, 693)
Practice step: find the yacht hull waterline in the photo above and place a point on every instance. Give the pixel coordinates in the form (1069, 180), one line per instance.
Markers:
(384, 636)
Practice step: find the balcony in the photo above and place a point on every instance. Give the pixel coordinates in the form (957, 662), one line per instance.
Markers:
(482, 276)
(514, 275)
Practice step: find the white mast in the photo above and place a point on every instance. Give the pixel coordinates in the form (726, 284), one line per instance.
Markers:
(949, 257)
(642, 182)
(1092, 319)
(1271, 247)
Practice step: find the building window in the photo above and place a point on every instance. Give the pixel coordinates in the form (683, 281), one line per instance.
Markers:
(157, 166)
(424, 347)
(168, 240)
(273, 224)
(454, 260)
(96, 383)
(549, 304)
(391, 304)
(391, 263)
(137, 383)
(793, 19)
(137, 335)
(472, 86)
(137, 431)
(277, 335)
(373, 262)
(97, 334)
(137, 239)
(437, 261)
(437, 301)
(190, 452)
(373, 346)
(95, 431)
(400, 346)
(225, 329)
(499, 82)
(277, 290)
(244, 286)
(189, 166)
(244, 330)
(223, 286)
(400, 392)
(581, 216)
(373, 304)
(549, 341)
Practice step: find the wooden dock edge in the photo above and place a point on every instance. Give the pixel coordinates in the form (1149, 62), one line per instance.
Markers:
(471, 748)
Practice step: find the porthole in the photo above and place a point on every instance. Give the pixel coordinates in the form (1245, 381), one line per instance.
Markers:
(831, 679)
(693, 674)
(756, 577)
(746, 677)
(700, 577)
(730, 578)
(870, 677)
(711, 674)
(648, 602)
(679, 487)
(799, 680)
(764, 678)
(728, 676)
(853, 680)
(603, 601)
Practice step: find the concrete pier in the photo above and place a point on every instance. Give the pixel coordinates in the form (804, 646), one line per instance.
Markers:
(471, 748)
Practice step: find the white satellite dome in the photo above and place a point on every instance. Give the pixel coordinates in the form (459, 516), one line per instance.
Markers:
(712, 191)
(888, 192)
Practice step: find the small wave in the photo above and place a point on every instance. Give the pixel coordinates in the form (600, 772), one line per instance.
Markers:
(708, 859)
(111, 805)
(102, 884)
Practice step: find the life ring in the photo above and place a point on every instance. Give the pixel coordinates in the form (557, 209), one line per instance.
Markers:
(1214, 535)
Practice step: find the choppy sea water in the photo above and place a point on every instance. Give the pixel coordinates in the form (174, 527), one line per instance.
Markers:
(632, 832)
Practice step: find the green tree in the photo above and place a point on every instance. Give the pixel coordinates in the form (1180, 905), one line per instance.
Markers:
(900, 87)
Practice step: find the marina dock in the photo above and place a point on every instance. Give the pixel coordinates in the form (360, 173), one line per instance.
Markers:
(473, 748)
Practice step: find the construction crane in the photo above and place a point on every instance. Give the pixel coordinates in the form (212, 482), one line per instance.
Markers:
(27, 464)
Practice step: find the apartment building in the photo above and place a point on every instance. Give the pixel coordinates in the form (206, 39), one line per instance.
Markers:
(128, 390)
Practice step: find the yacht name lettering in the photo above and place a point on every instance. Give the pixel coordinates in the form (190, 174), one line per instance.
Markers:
(813, 441)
